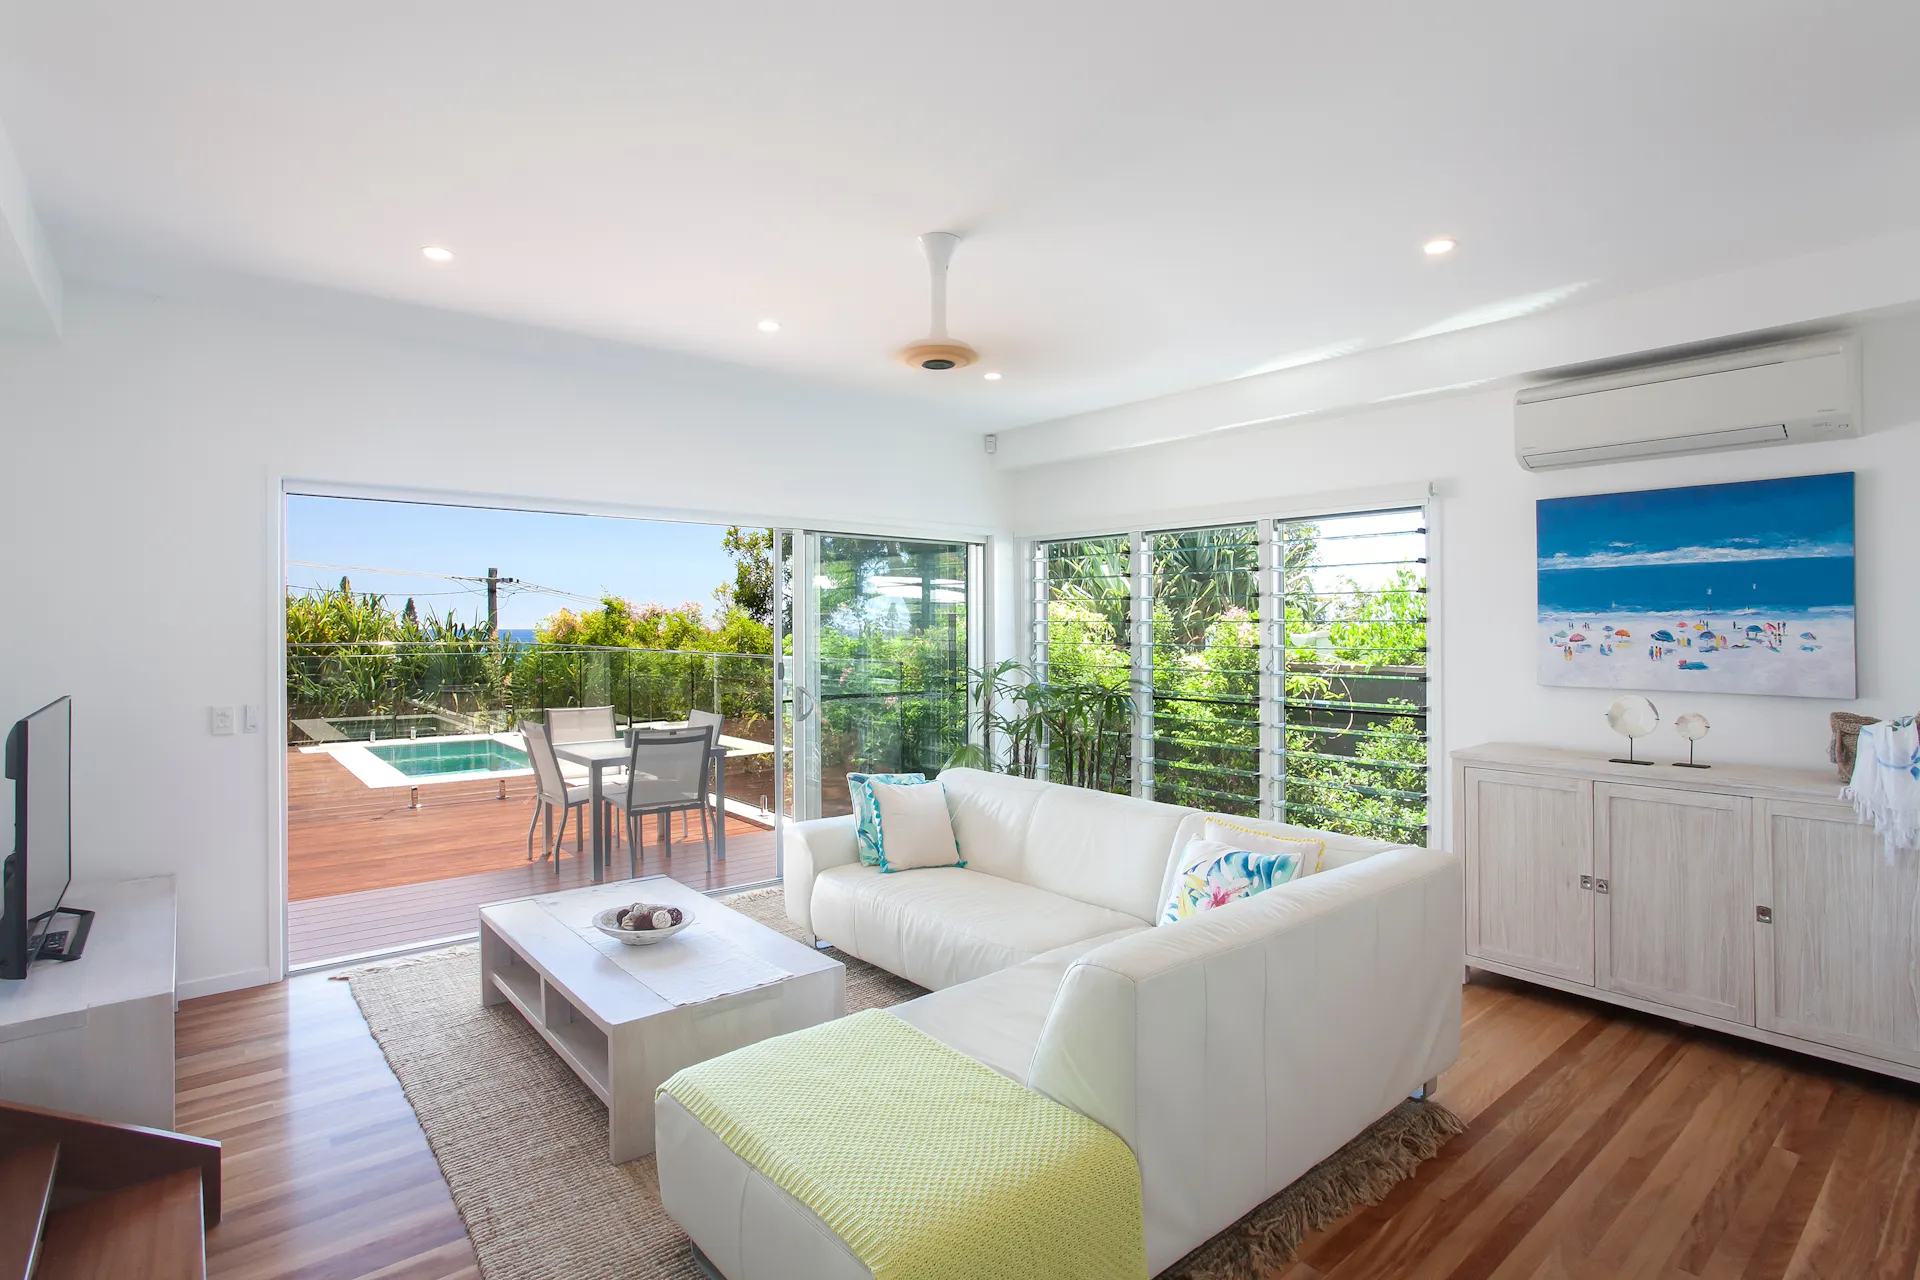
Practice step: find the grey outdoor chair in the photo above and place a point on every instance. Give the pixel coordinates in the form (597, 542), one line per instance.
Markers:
(714, 720)
(579, 724)
(552, 792)
(666, 774)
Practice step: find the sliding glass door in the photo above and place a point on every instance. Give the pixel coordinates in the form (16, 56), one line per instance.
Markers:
(882, 634)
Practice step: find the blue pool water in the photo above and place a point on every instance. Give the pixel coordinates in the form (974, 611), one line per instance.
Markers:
(437, 759)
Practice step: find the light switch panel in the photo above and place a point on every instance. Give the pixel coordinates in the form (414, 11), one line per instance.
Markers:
(220, 720)
(250, 718)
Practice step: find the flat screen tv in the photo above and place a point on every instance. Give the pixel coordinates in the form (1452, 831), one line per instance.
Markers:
(34, 878)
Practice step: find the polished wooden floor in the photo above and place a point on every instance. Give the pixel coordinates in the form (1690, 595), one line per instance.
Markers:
(1601, 1144)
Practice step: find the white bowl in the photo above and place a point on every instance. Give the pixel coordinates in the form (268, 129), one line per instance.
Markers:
(604, 922)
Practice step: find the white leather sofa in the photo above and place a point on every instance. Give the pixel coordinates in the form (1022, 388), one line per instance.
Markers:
(1232, 1051)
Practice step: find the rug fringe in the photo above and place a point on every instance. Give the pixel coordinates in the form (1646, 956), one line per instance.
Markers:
(1360, 1173)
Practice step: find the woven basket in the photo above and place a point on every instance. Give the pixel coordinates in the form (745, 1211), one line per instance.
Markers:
(1846, 740)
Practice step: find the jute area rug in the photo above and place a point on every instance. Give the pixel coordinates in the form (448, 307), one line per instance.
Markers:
(523, 1143)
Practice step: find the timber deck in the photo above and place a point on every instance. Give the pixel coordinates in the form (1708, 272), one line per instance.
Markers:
(366, 873)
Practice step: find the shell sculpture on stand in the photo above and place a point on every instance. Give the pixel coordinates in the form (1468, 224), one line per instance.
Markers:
(1632, 716)
(1692, 726)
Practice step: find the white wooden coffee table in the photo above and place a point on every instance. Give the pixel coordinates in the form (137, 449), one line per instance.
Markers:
(625, 1018)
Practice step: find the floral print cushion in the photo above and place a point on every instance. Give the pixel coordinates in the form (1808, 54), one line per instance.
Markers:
(866, 822)
(1213, 874)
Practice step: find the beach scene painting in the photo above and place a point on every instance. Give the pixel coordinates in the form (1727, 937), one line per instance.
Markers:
(1721, 588)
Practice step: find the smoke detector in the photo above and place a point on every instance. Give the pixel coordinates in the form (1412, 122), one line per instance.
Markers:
(937, 351)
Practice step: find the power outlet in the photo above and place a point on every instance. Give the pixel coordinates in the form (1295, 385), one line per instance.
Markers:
(220, 720)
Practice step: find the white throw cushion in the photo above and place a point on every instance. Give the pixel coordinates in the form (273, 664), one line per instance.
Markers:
(914, 828)
(1340, 849)
(1256, 840)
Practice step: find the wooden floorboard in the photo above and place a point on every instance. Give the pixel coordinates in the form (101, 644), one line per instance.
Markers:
(1600, 1144)
(365, 872)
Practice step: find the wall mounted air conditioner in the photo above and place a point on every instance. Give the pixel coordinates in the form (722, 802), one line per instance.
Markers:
(1768, 395)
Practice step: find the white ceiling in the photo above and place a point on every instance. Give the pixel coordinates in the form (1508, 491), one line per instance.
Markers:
(1155, 196)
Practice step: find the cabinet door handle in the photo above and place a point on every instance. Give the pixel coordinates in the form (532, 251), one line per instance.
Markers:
(1599, 886)
(1586, 882)
(1763, 914)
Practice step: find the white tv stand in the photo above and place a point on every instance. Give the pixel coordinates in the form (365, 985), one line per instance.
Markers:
(94, 1036)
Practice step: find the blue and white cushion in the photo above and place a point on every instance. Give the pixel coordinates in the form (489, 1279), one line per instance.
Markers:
(866, 822)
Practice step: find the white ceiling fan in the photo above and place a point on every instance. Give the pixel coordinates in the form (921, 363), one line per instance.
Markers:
(937, 351)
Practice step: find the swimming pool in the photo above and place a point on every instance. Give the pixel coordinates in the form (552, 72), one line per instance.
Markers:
(439, 759)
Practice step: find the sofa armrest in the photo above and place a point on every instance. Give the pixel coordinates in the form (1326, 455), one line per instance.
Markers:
(812, 847)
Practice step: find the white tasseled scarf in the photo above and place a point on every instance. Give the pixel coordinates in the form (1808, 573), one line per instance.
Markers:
(1886, 782)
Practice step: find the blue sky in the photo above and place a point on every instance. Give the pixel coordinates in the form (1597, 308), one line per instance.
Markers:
(640, 559)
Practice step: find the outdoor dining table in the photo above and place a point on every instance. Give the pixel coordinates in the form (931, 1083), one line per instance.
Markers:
(607, 753)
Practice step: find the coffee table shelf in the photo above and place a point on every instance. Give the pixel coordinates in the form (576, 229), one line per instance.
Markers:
(624, 1019)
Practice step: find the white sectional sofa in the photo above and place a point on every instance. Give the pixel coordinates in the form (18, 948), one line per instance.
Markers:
(1232, 1051)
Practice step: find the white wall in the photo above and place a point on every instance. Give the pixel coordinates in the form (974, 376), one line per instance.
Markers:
(1484, 523)
(139, 459)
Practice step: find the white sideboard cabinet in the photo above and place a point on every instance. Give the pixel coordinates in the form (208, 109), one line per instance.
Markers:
(1742, 898)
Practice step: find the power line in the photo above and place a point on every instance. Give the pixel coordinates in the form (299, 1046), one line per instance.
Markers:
(398, 573)
(517, 584)
(411, 595)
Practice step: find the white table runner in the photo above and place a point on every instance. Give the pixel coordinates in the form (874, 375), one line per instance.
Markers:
(694, 966)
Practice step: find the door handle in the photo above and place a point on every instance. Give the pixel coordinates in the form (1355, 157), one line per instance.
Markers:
(1599, 886)
(804, 703)
(1586, 882)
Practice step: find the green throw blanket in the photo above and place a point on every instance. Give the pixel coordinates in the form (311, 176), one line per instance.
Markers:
(929, 1165)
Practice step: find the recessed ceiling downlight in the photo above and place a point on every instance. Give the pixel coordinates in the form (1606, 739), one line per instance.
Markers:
(437, 253)
(1439, 246)
(991, 377)
(769, 326)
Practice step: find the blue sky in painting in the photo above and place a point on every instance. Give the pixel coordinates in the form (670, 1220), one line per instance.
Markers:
(1759, 545)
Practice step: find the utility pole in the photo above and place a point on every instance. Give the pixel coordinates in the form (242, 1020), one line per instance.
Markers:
(494, 582)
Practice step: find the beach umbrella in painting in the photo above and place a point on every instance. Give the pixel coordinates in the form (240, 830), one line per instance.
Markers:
(1663, 636)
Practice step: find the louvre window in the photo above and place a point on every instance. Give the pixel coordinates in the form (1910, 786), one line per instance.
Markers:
(1202, 706)
(1351, 712)
(1082, 647)
(1274, 669)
